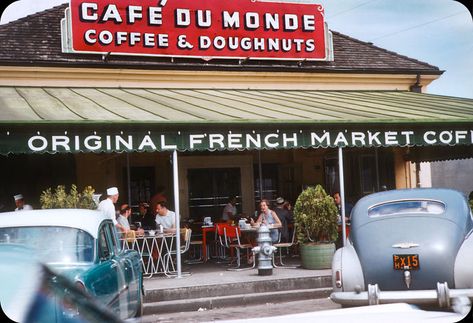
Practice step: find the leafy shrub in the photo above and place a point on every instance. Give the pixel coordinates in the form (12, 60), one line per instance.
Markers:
(315, 215)
(60, 199)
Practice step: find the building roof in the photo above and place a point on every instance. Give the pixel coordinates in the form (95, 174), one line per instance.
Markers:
(35, 40)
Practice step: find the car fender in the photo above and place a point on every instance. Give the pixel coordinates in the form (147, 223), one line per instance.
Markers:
(463, 272)
(347, 275)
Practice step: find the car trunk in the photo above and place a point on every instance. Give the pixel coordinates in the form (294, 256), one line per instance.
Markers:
(438, 243)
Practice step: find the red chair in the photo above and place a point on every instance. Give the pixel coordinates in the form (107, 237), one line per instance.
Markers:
(222, 243)
(232, 236)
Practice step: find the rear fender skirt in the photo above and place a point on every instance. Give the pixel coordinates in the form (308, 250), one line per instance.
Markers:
(346, 269)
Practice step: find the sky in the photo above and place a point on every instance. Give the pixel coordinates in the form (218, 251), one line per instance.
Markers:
(438, 32)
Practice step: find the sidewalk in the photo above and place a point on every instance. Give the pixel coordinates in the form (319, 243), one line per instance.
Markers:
(211, 273)
(210, 286)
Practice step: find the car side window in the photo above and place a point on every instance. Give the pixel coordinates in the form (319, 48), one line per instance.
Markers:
(104, 248)
(113, 237)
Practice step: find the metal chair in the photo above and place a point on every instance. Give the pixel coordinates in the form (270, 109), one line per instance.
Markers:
(222, 243)
(232, 236)
(186, 233)
(196, 246)
(280, 246)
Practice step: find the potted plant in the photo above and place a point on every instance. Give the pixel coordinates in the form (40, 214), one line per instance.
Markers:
(315, 217)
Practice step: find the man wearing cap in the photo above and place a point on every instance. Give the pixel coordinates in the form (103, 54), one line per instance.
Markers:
(146, 218)
(284, 216)
(107, 206)
(20, 203)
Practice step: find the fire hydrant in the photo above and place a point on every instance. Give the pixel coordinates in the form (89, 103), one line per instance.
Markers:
(265, 251)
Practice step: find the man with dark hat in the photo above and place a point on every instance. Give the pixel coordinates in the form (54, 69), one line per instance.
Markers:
(284, 216)
(145, 217)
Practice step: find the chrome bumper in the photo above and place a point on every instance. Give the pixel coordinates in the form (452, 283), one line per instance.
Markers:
(442, 296)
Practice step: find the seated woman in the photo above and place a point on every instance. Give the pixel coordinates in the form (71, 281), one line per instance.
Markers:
(270, 218)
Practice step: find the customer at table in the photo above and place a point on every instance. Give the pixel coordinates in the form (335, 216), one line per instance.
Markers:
(269, 218)
(124, 215)
(284, 216)
(165, 217)
(146, 218)
(229, 211)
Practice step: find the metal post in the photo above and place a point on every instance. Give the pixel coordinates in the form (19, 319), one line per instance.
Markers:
(260, 170)
(376, 160)
(342, 192)
(128, 177)
(175, 174)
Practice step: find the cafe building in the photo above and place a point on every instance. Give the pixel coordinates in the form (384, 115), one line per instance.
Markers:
(252, 99)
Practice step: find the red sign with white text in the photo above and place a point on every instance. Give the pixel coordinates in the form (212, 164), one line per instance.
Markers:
(263, 29)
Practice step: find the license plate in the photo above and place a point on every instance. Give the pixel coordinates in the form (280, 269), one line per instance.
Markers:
(406, 262)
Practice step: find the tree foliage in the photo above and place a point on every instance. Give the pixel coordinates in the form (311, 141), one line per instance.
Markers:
(315, 215)
(61, 199)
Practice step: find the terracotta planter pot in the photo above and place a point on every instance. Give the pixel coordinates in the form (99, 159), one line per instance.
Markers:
(317, 256)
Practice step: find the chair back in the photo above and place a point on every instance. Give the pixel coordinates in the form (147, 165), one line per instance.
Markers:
(232, 233)
(220, 232)
(186, 233)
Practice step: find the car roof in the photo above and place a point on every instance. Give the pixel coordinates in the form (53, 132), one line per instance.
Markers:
(86, 220)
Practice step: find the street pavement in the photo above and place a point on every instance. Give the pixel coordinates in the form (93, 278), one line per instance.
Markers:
(244, 312)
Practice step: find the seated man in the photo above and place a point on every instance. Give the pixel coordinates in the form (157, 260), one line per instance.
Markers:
(284, 216)
(229, 211)
(146, 218)
(124, 228)
(165, 217)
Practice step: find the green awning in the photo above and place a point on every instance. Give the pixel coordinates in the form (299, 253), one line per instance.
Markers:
(65, 119)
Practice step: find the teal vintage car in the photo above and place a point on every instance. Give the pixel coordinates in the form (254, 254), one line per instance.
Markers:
(83, 246)
(37, 294)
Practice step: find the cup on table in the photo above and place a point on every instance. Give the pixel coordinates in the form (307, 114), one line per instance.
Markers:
(152, 232)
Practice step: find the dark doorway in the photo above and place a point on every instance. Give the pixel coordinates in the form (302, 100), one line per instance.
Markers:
(209, 190)
(141, 184)
(270, 180)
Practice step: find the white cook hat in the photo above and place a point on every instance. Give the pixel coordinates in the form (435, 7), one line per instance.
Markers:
(112, 191)
(18, 197)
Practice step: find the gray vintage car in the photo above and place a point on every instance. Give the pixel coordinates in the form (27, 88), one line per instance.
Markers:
(413, 245)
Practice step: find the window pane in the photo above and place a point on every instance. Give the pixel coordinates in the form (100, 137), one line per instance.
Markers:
(407, 207)
(53, 244)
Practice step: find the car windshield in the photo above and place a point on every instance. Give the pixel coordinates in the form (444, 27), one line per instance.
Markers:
(406, 208)
(54, 245)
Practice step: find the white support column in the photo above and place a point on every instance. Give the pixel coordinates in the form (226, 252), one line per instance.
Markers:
(128, 178)
(175, 174)
(342, 192)
(260, 171)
